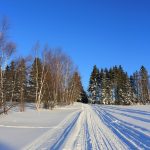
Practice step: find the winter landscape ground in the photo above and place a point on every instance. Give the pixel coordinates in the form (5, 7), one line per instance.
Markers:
(78, 126)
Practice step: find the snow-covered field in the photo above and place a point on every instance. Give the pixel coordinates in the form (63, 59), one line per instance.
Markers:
(80, 126)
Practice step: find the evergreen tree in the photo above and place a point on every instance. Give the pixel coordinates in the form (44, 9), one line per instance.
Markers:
(133, 88)
(114, 84)
(101, 76)
(84, 97)
(119, 79)
(94, 85)
(123, 87)
(144, 85)
(128, 99)
(21, 83)
(104, 87)
(7, 84)
(75, 88)
(132, 83)
(108, 88)
(137, 86)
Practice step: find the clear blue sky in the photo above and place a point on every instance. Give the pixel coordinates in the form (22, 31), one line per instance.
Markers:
(101, 32)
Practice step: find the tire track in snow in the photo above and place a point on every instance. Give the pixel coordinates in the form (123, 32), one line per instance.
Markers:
(92, 133)
(102, 134)
(52, 136)
(82, 130)
(26, 127)
(59, 143)
(129, 135)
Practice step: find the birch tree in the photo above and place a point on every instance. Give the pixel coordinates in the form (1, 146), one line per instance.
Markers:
(7, 48)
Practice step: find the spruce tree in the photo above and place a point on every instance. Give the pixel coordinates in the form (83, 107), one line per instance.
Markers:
(122, 86)
(75, 88)
(94, 85)
(132, 83)
(21, 83)
(84, 97)
(104, 87)
(133, 89)
(7, 84)
(137, 86)
(128, 99)
(108, 88)
(102, 76)
(144, 85)
(114, 84)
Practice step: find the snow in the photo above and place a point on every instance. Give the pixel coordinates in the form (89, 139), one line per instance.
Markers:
(76, 127)
(131, 124)
(18, 129)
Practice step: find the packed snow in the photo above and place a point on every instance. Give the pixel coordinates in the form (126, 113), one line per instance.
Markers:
(77, 127)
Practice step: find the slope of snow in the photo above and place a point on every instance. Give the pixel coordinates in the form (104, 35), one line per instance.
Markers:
(78, 127)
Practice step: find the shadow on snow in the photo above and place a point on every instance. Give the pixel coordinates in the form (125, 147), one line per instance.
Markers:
(125, 131)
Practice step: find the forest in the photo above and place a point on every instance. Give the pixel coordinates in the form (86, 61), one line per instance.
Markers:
(47, 78)
(115, 86)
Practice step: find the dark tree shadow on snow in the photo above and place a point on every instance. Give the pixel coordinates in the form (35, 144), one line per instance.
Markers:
(126, 132)
(5, 147)
(140, 112)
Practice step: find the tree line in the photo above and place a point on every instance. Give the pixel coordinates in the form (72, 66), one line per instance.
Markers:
(115, 86)
(47, 80)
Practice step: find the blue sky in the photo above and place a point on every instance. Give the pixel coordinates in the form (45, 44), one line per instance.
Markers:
(101, 32)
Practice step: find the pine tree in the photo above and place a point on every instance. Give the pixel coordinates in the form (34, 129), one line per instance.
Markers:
(94, 85)
(101, 75)
(21, 83)
(128, 99)
(108, 88)
(144, 85)
(116, 87)
(103, 87)
(137, 86)
(121, 86)
(9, 82)
(75, 88)
(84, 97)
(132, 83)
(114, 84)
(133, 89)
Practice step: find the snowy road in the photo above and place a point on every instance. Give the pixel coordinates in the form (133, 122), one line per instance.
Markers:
(96, 127)
(91, 133)
(89, 127)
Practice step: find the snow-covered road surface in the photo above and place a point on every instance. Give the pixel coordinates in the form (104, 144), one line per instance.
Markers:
(91, 133)
(132, 126)
(96, 127)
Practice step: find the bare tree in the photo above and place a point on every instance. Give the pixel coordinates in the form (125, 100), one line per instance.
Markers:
(43, 78)
(6, 50)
